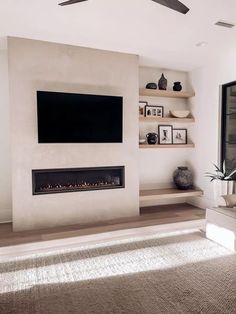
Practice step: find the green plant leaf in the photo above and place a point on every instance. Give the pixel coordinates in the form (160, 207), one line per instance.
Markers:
(224, 168)
(217, 167)
(220, 174)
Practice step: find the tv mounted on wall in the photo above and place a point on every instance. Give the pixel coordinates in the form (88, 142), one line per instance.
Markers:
(79, 118)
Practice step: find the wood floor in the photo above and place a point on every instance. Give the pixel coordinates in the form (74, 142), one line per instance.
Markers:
(150, 216)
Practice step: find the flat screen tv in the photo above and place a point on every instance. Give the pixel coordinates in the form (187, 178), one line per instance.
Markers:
(79, 118)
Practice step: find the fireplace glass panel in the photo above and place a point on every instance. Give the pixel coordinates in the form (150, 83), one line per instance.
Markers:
(49, 181)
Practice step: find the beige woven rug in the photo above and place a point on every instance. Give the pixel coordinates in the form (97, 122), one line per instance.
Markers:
(171, 273)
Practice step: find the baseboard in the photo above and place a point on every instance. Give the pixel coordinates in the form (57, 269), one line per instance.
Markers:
(5, 216)
(49, 246)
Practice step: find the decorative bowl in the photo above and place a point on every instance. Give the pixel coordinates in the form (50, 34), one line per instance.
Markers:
(180, 113)
(151, 86)
(142, 141)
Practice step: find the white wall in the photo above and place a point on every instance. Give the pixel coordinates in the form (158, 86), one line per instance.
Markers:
(5, 156)
(206, 107)
(36, 65)
(155, 166)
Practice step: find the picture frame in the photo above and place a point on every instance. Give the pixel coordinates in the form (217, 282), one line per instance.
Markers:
(154, 111)
(180, 136)
(142, 105)
(165, 133)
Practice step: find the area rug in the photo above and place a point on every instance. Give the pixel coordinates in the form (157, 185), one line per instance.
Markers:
(180, 272)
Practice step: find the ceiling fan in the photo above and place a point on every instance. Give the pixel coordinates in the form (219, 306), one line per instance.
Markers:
(172, 4)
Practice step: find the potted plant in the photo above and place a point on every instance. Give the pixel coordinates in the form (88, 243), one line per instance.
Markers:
(223, 182)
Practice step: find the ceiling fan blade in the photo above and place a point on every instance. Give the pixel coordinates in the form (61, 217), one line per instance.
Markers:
(174, 5)
(71, 2)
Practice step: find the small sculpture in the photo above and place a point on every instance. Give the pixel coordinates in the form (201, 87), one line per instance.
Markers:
(162, 84)
(177, 86)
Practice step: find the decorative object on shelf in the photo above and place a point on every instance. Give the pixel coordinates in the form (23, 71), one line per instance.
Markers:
(151, 86)
(142, 105)
(142, 141)
(154, 111)
(165, 134)
(177, 86)
(152, 138)
(180, 113)
(162, 84)
(179, 136)
(223, 183)
(183, 178)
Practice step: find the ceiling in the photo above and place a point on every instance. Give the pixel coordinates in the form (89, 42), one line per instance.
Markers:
(162, 37)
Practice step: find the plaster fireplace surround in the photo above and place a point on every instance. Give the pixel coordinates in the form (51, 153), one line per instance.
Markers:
(36, 65)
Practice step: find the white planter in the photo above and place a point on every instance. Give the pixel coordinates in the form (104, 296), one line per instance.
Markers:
(222, 187)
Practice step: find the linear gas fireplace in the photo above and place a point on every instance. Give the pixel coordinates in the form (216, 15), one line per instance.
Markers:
(48, 181)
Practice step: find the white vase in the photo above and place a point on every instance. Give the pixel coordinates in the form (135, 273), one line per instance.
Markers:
(222, 187)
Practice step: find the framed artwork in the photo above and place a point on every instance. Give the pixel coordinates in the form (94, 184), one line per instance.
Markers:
(154, 111)
(179, 136)
(142, 105)
(165, 134)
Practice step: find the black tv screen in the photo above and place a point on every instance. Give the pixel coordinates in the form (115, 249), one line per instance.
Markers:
(79, 118)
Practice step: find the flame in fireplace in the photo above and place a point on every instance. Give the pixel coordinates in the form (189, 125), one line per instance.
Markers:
(78, 186)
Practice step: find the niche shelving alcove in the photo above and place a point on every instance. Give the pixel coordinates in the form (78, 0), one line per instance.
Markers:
(170, 193)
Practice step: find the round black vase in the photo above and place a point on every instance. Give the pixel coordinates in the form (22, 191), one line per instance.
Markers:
(177, 86)
(183, 178)
(152, 138)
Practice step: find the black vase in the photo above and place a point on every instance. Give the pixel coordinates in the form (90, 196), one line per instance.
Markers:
(162, 84)
(177, 86)
(183, 178)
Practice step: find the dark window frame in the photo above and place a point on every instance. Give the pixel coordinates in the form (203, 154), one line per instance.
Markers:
(224, 122)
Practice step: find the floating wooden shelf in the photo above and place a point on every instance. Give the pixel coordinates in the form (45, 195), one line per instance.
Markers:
(164, 93)
(144, 146)
(162, 194)
(166, 119)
